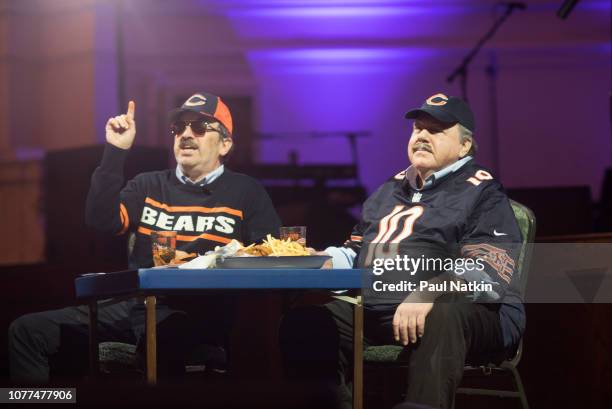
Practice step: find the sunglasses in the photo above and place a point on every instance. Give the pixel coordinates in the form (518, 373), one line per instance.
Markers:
(199, 127)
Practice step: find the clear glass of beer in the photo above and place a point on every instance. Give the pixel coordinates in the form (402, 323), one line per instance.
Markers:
(163, 246)
(294, 233)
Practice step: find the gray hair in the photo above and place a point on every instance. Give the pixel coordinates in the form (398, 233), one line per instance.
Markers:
(223, 131)
(223, 135)
(465, 134)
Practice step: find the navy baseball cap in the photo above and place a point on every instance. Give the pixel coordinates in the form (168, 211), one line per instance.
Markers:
(446, 109)
(208, 105)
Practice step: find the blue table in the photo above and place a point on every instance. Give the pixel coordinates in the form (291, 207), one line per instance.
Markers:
(150, 282)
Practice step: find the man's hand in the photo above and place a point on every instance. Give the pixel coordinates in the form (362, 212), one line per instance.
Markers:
(181, 257)
(409, 321)
(121, 130)
(328, 264)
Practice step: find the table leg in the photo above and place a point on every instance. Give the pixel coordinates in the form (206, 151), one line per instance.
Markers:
(94, 354)
(151, 337)
(358, 354)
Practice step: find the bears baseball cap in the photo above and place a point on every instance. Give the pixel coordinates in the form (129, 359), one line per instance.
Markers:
(446, 109)
(207, 105)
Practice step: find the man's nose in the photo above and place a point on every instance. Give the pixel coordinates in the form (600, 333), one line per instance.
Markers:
(187, 133)
(421, 132)
(423, 137)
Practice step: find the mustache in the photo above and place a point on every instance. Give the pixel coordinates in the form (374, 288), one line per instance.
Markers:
(187, 143)
(422, 145)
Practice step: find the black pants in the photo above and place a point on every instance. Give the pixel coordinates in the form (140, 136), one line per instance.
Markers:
(55, 342)
(317, 343)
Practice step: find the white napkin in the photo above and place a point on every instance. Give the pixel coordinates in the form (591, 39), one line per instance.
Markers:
(201, 262)
(210, 259)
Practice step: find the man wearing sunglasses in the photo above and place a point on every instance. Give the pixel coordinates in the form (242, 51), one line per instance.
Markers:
(206, 204)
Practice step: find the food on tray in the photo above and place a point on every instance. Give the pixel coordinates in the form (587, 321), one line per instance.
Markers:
(274, 247)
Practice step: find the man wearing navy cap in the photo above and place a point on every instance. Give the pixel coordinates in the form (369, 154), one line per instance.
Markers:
(206, 204)
(442, 207)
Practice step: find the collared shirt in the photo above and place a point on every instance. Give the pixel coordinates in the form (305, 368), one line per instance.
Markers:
(211, 177)
(412, 175)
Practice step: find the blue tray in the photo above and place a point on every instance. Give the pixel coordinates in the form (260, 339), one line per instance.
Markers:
(274, 262)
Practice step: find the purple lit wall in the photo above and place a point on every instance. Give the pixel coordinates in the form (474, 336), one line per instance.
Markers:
(325, 66)
(337, 90)
(332, 66)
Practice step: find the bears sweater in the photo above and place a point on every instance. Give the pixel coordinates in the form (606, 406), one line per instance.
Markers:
(234, 206)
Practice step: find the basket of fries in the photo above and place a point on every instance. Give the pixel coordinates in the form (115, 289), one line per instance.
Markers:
(274, 247)
(273, 253)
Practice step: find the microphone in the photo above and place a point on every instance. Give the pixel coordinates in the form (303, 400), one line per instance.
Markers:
(566, 8)
(515, 5)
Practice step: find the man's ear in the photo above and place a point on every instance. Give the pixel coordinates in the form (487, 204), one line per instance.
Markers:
(465, 147)
(226, 146)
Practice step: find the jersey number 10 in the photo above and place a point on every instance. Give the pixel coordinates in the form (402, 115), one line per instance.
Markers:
(388, 229)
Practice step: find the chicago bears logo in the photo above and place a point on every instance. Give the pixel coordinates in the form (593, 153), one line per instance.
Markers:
(196, 100)
(437, 100)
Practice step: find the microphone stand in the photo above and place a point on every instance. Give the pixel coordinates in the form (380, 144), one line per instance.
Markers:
(462, 69)
(462, 72)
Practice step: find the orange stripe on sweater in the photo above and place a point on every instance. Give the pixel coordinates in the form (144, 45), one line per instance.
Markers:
(125, 219)
(199, 209)
(206, 236)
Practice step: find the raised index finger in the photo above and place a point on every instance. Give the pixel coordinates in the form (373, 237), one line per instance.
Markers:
(131, 109)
